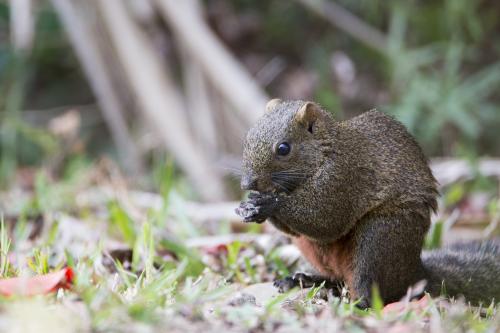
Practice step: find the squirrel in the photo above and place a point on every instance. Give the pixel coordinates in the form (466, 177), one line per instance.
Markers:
(356, 196)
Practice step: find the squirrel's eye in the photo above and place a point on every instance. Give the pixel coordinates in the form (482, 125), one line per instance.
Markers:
(283, 149)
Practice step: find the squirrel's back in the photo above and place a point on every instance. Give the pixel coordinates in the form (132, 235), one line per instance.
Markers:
(402, 169)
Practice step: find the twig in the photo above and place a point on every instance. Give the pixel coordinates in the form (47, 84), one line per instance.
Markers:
(226, 73)
(159, 99)
(349, 23)
(214, 212)
(194, 210)
(87, 51)
(143, 201)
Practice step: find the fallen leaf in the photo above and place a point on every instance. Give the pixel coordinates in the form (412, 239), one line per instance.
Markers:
(36, 285)
(398, 307)
(215, 250)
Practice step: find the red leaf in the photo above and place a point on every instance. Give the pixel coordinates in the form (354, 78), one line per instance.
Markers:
(399, 307)
(215, 250)
(36, 285)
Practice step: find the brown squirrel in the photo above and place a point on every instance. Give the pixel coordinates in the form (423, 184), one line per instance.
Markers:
(356, 196)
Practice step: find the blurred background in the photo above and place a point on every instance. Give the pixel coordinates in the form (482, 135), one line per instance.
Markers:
(140, 88)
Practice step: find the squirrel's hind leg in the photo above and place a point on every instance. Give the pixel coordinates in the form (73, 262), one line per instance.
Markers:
(387, 254)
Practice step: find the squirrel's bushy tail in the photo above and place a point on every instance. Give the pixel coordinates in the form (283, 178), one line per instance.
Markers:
(469, 269)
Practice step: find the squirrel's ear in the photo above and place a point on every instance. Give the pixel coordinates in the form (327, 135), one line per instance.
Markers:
(272, 103)
(308, 114)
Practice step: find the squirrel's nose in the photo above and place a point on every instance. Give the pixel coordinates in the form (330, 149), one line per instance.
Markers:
(249, 183)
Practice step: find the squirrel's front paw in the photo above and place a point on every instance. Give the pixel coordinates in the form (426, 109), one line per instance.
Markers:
(250, 213)
(258, 207)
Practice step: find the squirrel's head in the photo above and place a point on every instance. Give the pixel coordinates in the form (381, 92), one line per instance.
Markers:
(286, 146)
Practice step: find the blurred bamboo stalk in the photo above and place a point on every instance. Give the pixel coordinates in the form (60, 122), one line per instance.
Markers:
(142, 10)
(22, 24)
(224, 71)
(349, 23)
(77, 26)
(159, 98)
(199, 105)
(198, 99)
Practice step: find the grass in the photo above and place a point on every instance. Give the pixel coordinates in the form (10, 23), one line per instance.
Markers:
(135, 274)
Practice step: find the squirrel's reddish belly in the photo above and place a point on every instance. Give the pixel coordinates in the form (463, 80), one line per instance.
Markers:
(333, 260)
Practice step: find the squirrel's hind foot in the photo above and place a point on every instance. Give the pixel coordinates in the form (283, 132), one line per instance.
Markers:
(303, 280)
